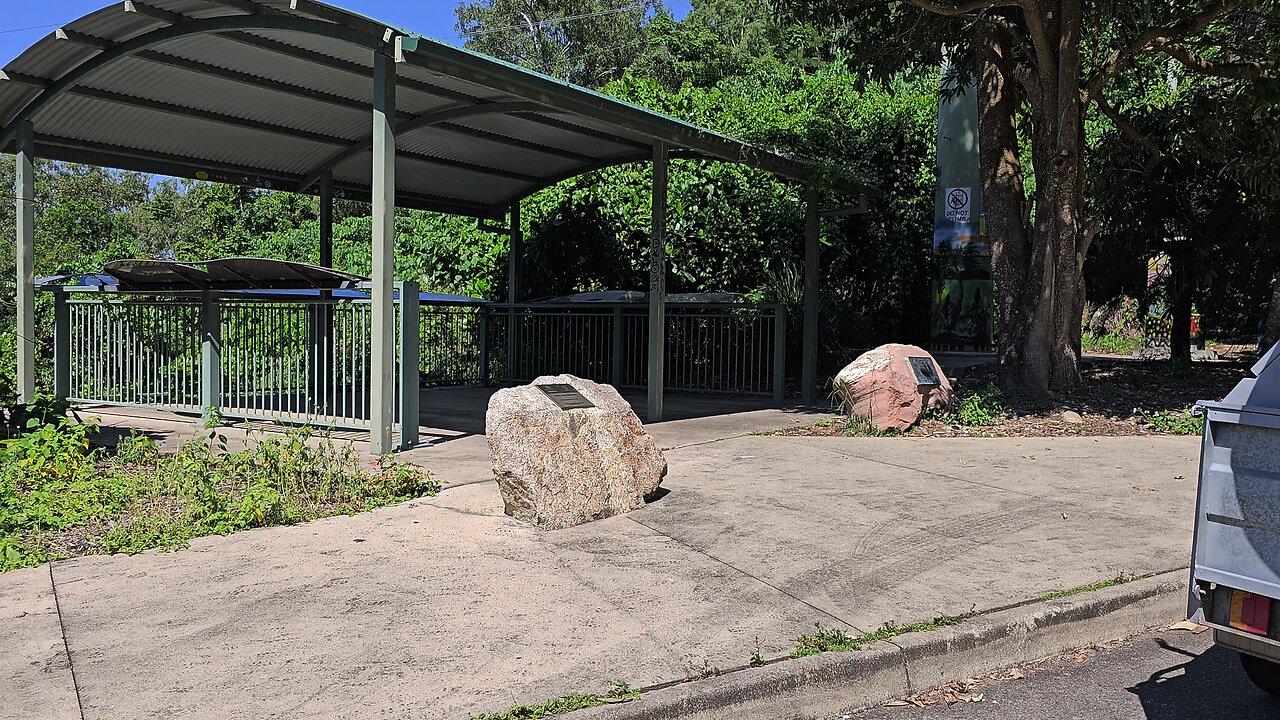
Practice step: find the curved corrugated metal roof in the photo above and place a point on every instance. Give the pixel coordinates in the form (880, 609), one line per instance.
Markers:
(271, 93)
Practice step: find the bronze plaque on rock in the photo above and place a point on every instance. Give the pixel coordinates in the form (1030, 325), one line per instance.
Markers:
(566, 396)
(925, 371)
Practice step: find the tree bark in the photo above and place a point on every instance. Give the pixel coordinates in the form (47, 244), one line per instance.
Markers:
(1038, 270)
(1181, 300)
(1005, 206)
(1271, 331)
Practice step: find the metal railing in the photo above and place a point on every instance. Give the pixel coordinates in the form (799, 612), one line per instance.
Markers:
(303, 360)
(296, 362)
(134, 352)
(307, 359)
(716, 348)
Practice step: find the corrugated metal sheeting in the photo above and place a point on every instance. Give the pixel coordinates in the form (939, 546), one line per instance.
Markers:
(273, 92)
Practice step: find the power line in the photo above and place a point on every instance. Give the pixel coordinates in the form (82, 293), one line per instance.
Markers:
(547, 21)
(33, 27)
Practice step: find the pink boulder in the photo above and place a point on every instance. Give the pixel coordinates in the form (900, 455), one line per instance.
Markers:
(882, 386)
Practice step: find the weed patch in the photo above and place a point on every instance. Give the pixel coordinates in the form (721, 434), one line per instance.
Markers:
(1176, 423)
(859, 426)
(59, 497)
(978, 408)
(621, 692)
(832, 640)
(1120, 579)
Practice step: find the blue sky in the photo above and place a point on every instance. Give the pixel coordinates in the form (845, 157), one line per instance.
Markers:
(429, 17)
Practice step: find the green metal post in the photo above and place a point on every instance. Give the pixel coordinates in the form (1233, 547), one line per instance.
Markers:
(779, 352)
(809, 365)
(382, 403)
(24, 191)
(615, 353)
(321, 364)
(61, 345)
(210, 356)
(515, 289)
(326, 218)
(482, 319)
(409, 360)
(658, 284)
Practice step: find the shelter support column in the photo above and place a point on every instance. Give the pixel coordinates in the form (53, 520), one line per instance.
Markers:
(24, 192)
(321, 365)
(210, 356)
(515, 289)
(383, 370)
(809, 362)
(515, 257)
(658, 285)
(410, 312)
(61, 345)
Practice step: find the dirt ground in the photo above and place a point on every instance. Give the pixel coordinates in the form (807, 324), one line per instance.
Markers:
(1119, 396)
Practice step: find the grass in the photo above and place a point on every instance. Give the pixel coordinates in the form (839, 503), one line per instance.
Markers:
(60, 497)
(1112, 343)
(621, 692)
(832, 640)
(859, 426)
(1176, 423)
(1120, 579)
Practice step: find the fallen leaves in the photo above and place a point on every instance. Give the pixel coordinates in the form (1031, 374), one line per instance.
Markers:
(1189, 627)
(961, 691)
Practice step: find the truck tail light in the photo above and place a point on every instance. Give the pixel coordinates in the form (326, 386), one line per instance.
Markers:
(1250, 613)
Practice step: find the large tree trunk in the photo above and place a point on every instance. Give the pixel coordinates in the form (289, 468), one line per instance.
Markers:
(1271, 331)
(1038, 270)
(1005, 207)
(1181, 300)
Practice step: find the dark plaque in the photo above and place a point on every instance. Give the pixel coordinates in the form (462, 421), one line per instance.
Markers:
(926, 372)
(566, 396)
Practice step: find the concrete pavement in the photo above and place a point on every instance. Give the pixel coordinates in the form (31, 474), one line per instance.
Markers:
(445, 607)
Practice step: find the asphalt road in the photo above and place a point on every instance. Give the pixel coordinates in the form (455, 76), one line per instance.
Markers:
(1166, 676)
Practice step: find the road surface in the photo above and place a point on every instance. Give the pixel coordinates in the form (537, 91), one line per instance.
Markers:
(1172, 675)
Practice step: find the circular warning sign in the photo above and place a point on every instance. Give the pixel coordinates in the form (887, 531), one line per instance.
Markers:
(958, 198)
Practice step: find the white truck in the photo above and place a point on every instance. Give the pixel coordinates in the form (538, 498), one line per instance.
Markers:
(1235, 554)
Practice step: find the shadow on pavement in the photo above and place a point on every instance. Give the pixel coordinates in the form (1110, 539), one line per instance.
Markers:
(1209, 685)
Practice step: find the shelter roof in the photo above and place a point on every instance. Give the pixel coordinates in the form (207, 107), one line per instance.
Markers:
(273, 93)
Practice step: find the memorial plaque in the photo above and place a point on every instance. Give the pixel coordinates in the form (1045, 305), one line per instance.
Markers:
(926, 372)
(566, 396)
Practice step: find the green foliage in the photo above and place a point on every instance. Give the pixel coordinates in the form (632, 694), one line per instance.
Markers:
(20, 418)
(1176, 423)
(832, 640)
(620, 692)
(977, 408)
(587, 42)
(1112, 343)
(52, 483)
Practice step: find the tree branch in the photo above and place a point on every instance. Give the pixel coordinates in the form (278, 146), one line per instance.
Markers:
(1205, 66)
(1129, 131)
(1046, 61)
(964, 8)
(1152, 39)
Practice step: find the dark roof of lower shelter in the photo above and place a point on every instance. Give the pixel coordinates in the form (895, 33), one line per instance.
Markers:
(236, 273)
(270, 93)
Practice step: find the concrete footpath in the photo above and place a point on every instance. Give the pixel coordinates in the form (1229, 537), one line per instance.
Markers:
(445, 607)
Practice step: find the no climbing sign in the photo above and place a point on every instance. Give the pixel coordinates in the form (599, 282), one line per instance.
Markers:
(956, 204)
